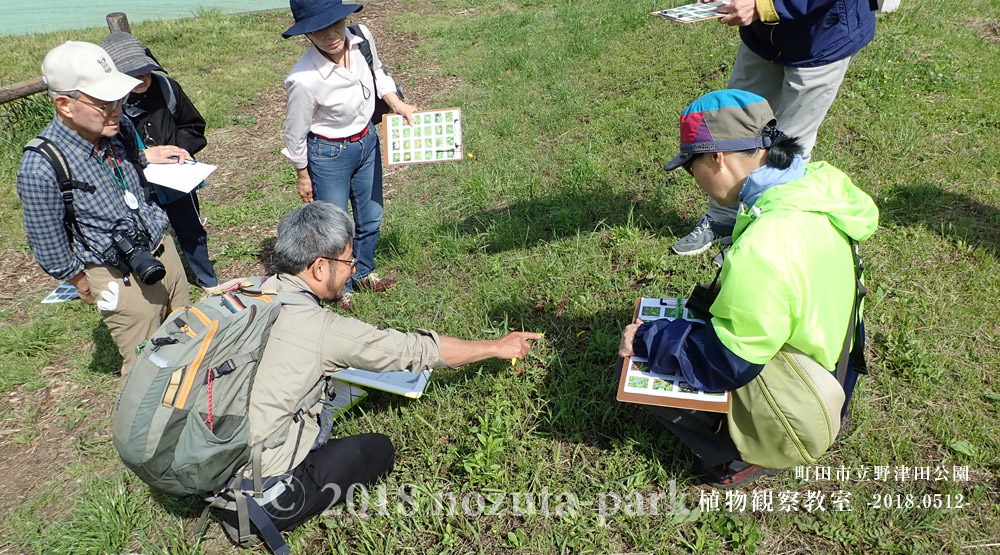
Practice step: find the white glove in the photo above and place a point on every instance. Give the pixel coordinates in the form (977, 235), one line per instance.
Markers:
(109, 299)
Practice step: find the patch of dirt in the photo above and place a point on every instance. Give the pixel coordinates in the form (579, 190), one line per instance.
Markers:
(44, 431)
(21, 282)
(988, 29)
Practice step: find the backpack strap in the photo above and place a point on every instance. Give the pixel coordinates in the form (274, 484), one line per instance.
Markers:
(237, 496)
(381, 107)
(264, 525)
(366, 49)
(853, 329)
(67, 185)
(169, 96)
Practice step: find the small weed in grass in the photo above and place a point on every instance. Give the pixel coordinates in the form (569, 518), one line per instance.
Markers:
(20, 370)
(105, 519)
(34, 339)
(246, 251)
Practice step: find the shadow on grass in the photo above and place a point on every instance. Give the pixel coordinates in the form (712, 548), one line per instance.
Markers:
(391, 246)
(266, 256)
(953, 215)
(525, 223)
(105, 358)
(189, 506)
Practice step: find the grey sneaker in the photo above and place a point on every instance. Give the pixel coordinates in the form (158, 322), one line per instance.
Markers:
(699, 240)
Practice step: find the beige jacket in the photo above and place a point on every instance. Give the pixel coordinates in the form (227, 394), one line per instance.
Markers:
(307, 344)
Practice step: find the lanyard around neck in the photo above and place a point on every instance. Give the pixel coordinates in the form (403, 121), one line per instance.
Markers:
(116, 173)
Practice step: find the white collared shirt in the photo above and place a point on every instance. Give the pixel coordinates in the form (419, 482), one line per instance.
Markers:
(329, 99)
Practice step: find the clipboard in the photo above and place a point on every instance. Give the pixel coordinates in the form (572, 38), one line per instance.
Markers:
(637, 384)
(689, 13)
(435, 136)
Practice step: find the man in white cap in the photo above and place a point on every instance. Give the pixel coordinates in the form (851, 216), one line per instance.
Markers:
(87, 209)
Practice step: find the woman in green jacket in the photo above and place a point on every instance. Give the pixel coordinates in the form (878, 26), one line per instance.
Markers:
(788, 279)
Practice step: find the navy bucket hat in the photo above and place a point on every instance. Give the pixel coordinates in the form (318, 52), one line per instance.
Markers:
(314, 15)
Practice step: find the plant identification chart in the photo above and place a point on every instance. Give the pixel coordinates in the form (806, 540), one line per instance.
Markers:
(638, 385)
(691, 12)
(435, 136)
(64, 292)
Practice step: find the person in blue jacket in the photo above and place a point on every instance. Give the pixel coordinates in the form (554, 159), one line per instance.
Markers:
(794, 53)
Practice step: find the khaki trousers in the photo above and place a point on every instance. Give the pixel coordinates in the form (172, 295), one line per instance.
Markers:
(799, 96)
(141, 308)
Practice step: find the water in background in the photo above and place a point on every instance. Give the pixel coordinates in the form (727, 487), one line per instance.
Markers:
(39, 16)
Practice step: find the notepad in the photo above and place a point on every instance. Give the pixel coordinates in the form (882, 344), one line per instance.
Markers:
(405, 383)
(180, 177)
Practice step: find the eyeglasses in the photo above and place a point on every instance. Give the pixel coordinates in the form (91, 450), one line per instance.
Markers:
(353, 261)
(107, 108)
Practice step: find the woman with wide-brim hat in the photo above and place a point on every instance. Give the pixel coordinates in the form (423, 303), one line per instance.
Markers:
(329, 136)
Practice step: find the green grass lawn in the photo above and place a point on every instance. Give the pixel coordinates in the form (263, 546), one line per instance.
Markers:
(560, 218)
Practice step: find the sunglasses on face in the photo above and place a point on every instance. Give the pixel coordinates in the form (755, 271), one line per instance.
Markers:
(690, 163)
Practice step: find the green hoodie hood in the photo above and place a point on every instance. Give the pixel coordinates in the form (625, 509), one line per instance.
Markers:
(822, 190)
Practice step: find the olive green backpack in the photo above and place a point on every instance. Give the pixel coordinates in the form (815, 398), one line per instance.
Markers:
(182, 421)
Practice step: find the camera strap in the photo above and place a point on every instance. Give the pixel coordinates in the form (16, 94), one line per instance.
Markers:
(700, 300)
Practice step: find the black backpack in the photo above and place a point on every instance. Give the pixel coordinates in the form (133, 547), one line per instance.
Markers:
(381, 107)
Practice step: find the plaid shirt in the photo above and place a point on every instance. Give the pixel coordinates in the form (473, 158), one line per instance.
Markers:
(96, 212)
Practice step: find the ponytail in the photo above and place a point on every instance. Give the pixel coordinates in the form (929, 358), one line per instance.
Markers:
(783, 148)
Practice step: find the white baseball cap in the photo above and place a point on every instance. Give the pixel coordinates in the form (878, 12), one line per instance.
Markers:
(85, 67)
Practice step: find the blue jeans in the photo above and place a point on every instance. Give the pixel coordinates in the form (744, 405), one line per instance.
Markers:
(342, 171)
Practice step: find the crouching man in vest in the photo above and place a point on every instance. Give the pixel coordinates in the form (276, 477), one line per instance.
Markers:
(313, 254)
(786, 316)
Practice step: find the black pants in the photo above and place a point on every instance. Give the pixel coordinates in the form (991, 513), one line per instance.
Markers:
(701, 431)
(324, 477)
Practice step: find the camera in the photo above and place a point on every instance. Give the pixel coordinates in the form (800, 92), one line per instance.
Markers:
(130, 253)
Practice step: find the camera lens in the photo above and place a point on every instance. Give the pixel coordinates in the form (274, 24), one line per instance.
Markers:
(147, 268)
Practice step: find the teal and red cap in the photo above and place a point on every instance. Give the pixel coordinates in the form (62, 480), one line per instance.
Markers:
(723, 121)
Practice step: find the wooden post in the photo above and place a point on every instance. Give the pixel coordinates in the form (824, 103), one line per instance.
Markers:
(21, 90)
(118, 21)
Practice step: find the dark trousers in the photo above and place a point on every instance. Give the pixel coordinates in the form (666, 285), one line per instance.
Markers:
(702, 432)
(183, 216)
(324, 477)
